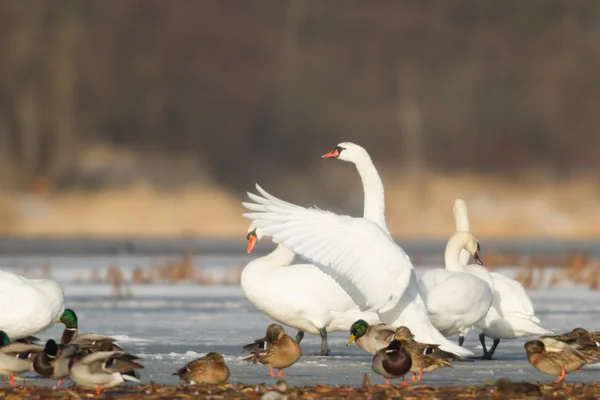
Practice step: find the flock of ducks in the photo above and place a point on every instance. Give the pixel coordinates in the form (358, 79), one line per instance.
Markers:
(357, 279)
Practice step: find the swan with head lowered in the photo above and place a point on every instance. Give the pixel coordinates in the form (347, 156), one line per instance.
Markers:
(358, 253)
(458, 296)
(301, 295)
(30, 305)
(511, 315)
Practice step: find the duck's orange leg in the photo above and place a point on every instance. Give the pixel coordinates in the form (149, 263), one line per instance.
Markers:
(404, 382)
(11, 380)
(414, 378)
(387, 382)
(59, 383)
(420, 376)
(280, 374)
(98, 390)
(561, 378)
(271, 374)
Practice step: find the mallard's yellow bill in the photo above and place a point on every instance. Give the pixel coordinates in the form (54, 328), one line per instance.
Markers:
(352, 337)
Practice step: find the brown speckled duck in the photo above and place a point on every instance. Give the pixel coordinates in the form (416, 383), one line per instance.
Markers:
(275, 350)
(581, 340)
(422, 354)
(208, 369)
(393, 362)
(553, 357)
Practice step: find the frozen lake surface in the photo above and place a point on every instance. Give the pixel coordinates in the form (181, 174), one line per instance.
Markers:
(169, 325)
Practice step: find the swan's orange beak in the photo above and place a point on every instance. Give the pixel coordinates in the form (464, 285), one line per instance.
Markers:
(335, 153)
(252, 239)
(477, 258)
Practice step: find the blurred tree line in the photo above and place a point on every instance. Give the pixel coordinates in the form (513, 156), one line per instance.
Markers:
(501, 87)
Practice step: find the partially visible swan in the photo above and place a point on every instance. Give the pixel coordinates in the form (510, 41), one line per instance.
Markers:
(28, 305)
(300, 296)
(459, 296)
(511, 314)
(359, 254)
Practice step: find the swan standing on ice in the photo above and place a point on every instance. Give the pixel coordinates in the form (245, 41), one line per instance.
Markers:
(29, 305)
(300, 296)
(458, 296)
(359, 253)
(511, 315)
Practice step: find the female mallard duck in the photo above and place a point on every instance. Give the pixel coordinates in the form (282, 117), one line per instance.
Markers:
(420, 353)
(53, 361)
(41, 303)
(16, 358)
(276, 350)
(392, 362)
(371, 338)
(208, 369)
(553, 357)
(581, 340)
(103, 369)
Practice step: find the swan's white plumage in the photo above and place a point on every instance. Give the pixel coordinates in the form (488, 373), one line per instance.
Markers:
(359, 254)
(343, 245)
(29, 305)
(511, 314)
(300, 295)
(457, 297)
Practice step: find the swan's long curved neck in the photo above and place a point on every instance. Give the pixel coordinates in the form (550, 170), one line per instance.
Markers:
(452, 253)
(373, 189)
(461, 220)
(281, 256)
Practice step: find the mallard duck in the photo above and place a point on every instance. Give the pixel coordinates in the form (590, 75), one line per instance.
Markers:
(91, 341)
(392, 362)
(277, 350)
(553, 357)
(371, 338)
(580, 339)
(69, 318)
(104, 369)
(208, 369)
(420, 353)
(53, 361)
(16, 358)
(41, 303)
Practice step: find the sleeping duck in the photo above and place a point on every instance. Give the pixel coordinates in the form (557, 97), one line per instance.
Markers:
(208, 369)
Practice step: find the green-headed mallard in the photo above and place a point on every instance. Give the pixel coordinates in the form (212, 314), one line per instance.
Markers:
(422, 356)
(91, 341)
(53, 362)
(103, 369)
(208, 369)
(278, 350)
(16, 358)
(392, 362)
(371, 338)
(554, 357)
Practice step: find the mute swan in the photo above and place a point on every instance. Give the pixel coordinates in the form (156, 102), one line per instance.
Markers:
(511, 314)
(38, 303)
(300, 296)
(359, 254)
(459, 296)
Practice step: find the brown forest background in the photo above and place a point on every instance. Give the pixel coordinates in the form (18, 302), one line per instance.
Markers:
(123, 117)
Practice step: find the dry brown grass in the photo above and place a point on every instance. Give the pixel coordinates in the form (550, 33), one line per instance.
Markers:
(497, 208)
